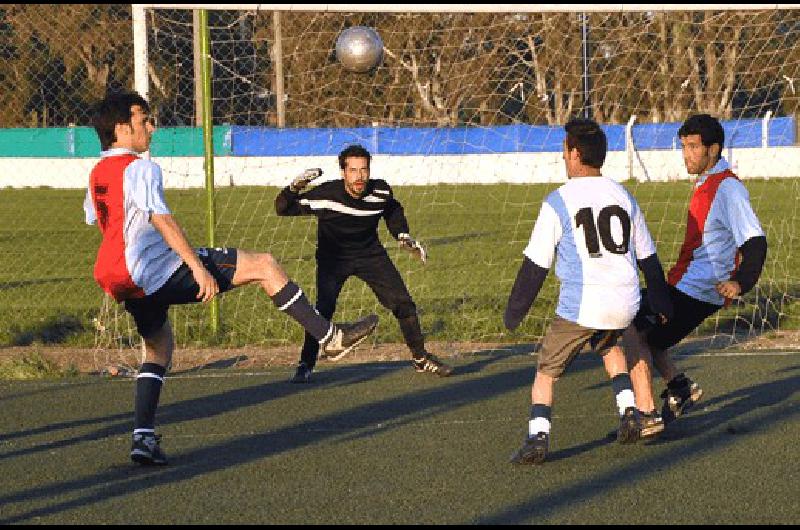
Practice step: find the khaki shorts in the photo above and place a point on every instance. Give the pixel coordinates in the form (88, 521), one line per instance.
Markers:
(564, 340)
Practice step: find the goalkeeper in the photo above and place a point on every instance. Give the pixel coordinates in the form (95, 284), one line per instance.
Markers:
(348, 211)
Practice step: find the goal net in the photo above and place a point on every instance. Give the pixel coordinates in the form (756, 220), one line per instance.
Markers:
(464, 118)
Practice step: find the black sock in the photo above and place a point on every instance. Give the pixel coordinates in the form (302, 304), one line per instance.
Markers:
(412, 333)
(148, 390)
(294, 303)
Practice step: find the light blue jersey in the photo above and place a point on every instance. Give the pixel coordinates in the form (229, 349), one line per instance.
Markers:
(596, 231)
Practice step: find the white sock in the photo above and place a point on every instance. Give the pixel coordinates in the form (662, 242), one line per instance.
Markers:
(625, 399)
(537, 425)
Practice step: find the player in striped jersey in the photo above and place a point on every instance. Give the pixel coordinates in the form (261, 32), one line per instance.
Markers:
(721, 258)
(145, 260)
(348, 212)
(596, 232)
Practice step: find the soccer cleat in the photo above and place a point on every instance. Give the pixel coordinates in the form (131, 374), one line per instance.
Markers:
(629, 426)
(652, 424)
(677, 402)
(145, 450)
(302, 375)
(431, 364)
(345, 337)
(533, 451)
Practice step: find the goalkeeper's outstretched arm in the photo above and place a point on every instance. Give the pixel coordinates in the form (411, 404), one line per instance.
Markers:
(530, 279)
(288, 200)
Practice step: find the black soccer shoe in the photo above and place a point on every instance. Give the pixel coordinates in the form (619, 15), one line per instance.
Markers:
(533, 450)
(629, 426)
(145, 450)
(302, 375)
(345, 337)
(652, 424)
(677, 402)
(432, 365)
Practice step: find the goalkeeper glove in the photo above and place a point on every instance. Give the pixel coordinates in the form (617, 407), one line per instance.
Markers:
(302, 180)
(409, 244)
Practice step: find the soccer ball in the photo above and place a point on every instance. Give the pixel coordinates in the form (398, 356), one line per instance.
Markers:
(359, 49)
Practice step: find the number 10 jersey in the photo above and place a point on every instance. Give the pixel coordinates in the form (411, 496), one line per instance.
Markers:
(596, 231)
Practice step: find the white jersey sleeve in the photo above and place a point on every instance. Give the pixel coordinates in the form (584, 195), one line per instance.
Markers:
(546, 234)
(643, 245)
(145, 187)
(736, 211)
(88, 208)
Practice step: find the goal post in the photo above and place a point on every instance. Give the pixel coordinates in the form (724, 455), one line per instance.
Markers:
(465, 120)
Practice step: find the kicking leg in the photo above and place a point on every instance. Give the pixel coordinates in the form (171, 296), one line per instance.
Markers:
(263, 269)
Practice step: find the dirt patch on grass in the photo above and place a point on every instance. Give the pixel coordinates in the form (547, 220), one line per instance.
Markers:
(93, 360)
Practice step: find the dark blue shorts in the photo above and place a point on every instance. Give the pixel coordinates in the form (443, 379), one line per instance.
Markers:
(150, 312)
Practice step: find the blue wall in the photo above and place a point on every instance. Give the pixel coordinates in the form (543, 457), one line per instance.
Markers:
(81, 142)
(260, 141)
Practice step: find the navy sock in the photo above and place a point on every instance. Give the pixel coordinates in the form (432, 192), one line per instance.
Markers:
(148, 390)
(294, 303)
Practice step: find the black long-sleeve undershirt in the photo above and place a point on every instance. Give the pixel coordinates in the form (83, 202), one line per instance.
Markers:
(754, 254)
(530, 279)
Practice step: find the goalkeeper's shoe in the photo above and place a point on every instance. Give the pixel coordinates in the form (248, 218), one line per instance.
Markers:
(345, 337)
(145, 450)
(678, 401)
(652, 424)
(629, 426)
(432, 365)
(533, 450)
(302, 375)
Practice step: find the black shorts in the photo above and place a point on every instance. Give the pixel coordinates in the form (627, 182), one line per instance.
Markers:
(150, 312)
(688, 313)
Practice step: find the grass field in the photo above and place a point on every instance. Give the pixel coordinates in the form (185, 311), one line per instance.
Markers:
(474, 234)
(377, 443)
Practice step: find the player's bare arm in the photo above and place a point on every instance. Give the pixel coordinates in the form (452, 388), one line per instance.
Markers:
(175, 238)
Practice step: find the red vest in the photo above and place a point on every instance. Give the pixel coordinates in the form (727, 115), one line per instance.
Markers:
(107, 187)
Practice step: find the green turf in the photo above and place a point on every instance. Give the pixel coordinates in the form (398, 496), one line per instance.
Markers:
(378, 443)
(474, 234)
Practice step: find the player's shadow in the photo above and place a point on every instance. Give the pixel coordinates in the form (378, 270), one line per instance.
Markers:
(717, 411)
(756, 401)
(5, 286)
(390, 413)
(173, 413)
(449, 240)
(54, 330)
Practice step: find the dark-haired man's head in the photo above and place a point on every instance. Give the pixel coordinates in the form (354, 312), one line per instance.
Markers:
(354, 162)
(702, 138)
(584, 147)
(123, 120)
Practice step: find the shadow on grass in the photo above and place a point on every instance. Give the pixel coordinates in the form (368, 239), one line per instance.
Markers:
(54, 330)
(392, 412)
(700, 427)
(419, 405)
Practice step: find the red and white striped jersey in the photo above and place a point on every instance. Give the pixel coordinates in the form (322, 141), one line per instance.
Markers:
(124, 191)
(720, 220)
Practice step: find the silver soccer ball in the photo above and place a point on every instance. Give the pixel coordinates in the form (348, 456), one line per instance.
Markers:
(359, 49)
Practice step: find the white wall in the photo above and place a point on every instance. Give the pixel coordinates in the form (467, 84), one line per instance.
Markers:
(519, 168)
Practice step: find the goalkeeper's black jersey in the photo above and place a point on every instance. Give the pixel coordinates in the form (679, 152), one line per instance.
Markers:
(347, 227)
